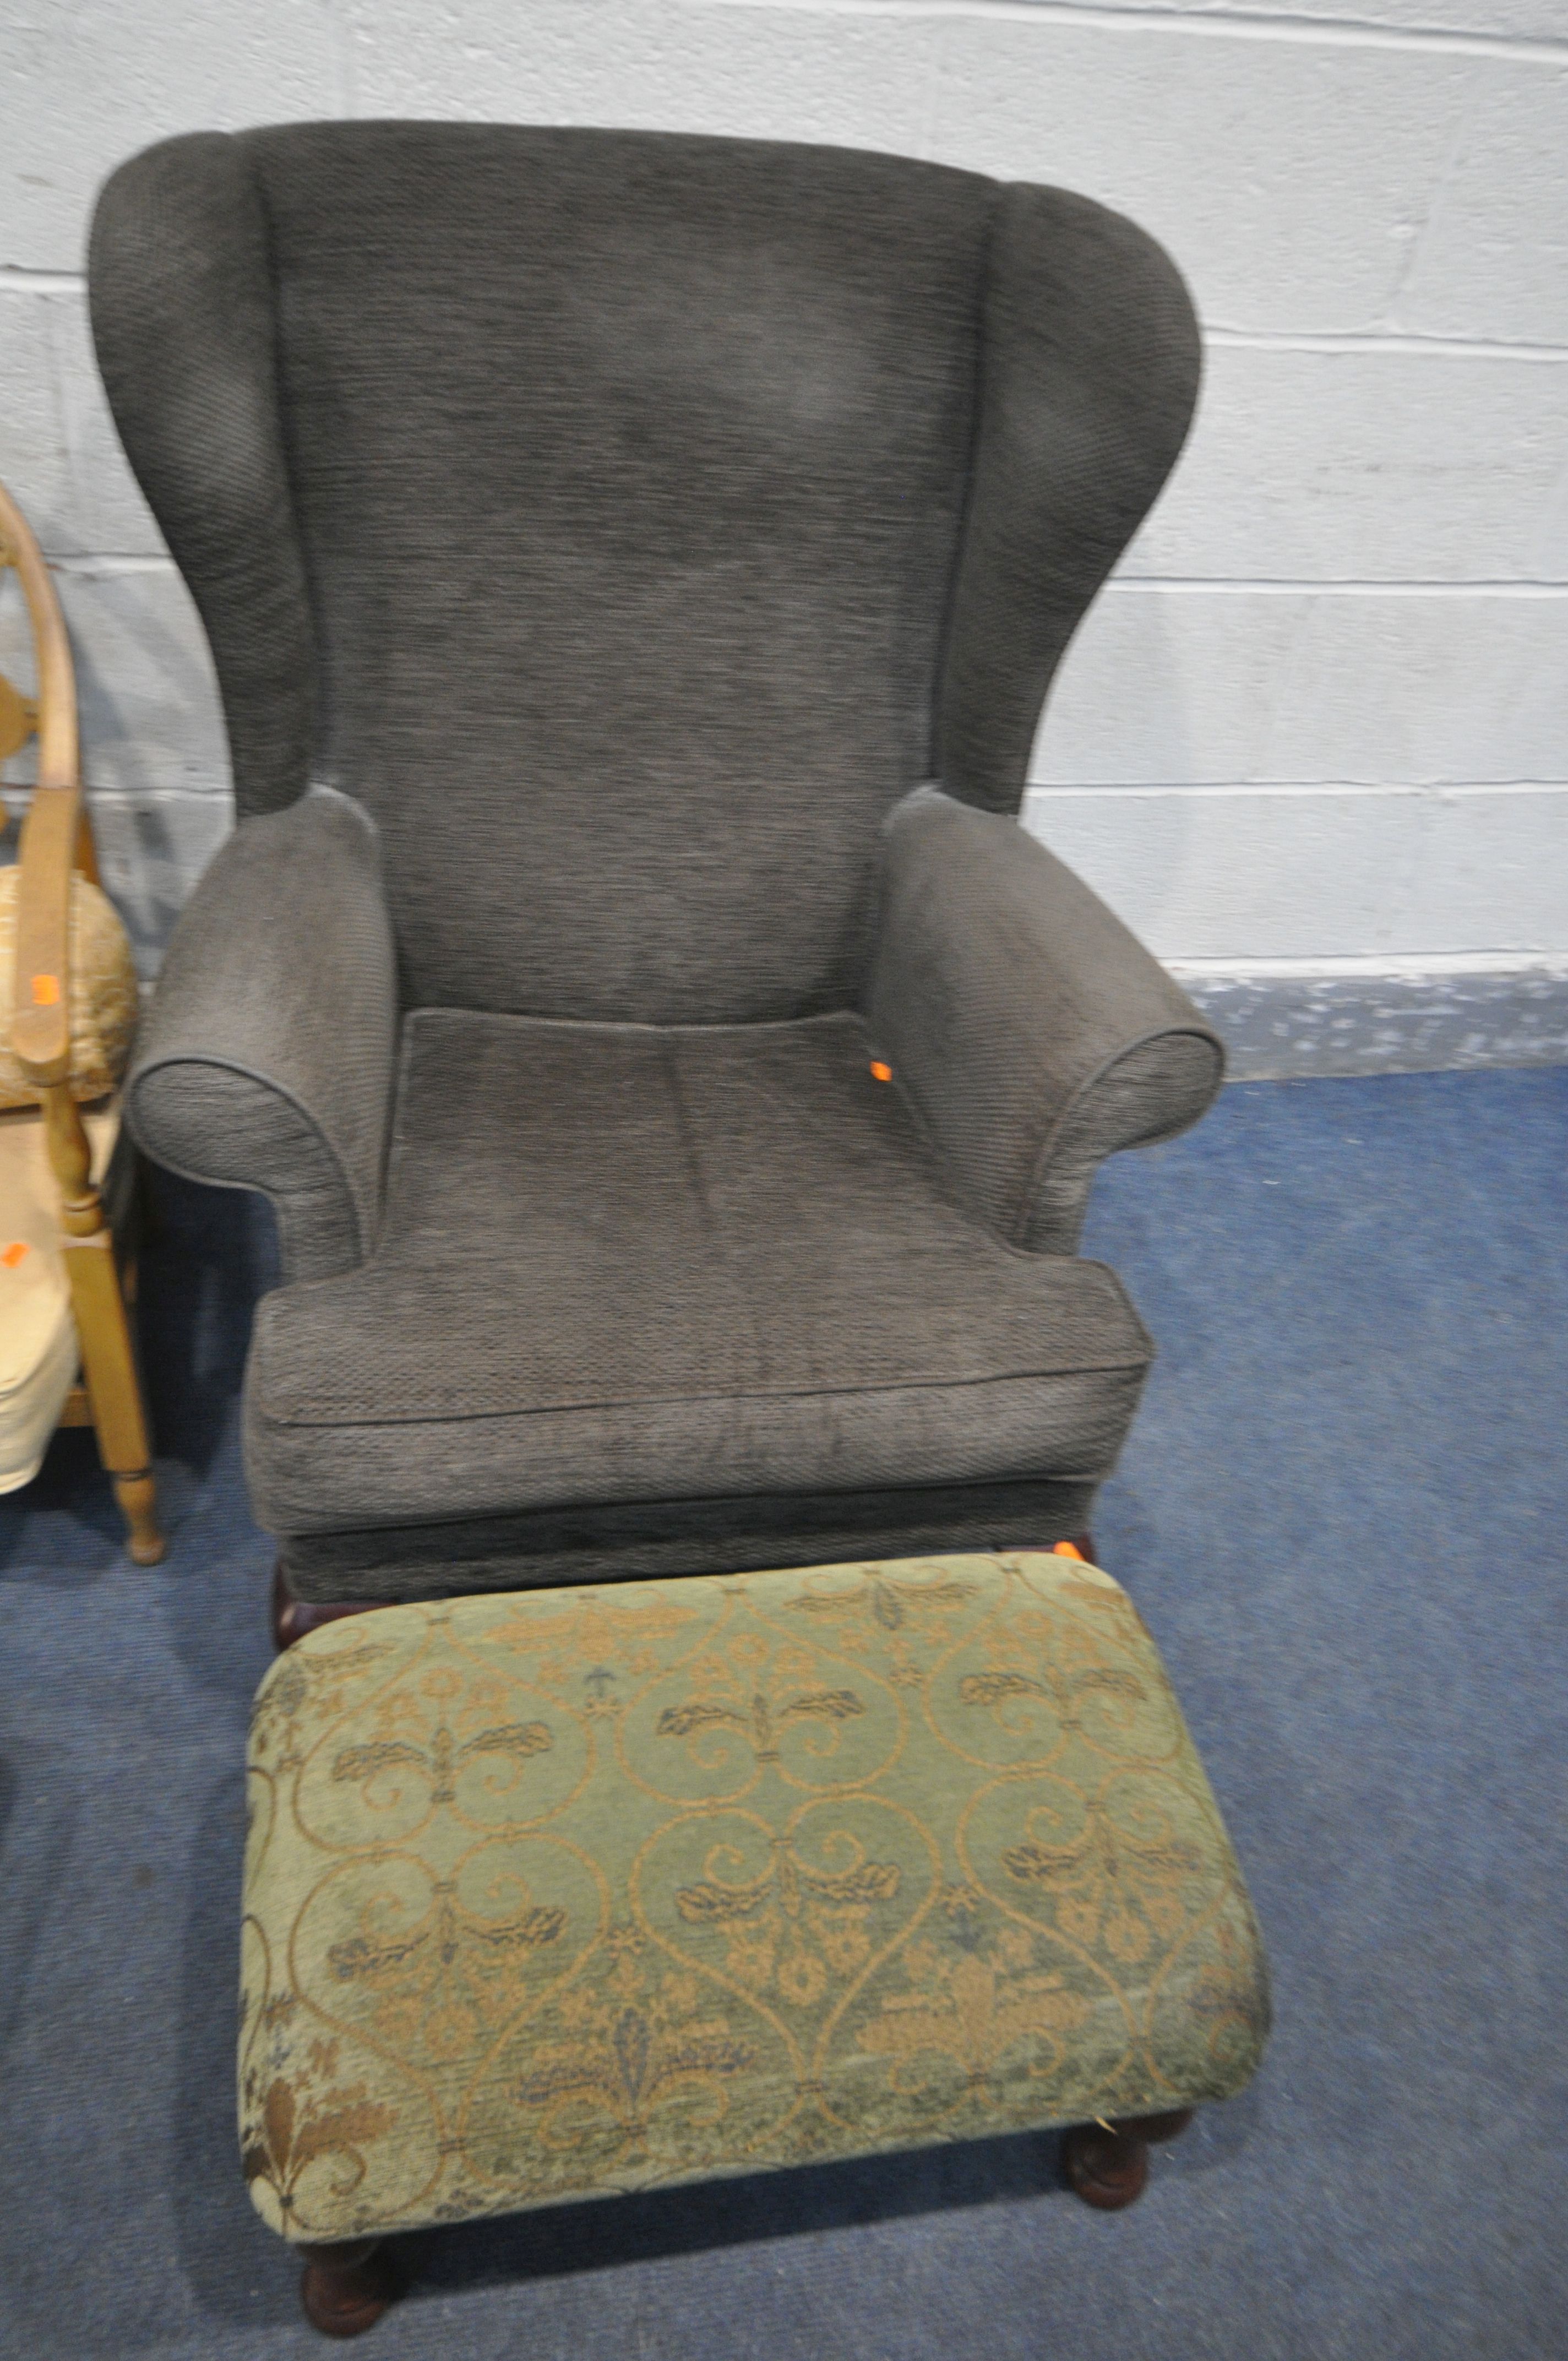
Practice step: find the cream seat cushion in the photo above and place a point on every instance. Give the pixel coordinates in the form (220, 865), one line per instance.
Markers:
(38, 1357)
(38, 1354)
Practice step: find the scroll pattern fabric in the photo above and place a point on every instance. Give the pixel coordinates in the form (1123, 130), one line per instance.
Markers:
(574, 1892)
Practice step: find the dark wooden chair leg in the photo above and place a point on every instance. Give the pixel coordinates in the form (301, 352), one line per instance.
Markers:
(1108, 2164)
(346, 2288)
(292, 1617)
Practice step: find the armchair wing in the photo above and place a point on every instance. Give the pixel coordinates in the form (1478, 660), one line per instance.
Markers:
(267, 1058)
(1031, 1034)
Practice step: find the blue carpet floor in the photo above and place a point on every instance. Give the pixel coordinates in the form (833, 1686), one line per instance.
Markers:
(1344, 1514)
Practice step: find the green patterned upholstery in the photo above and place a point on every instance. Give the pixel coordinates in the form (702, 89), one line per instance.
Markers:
(572, 1891)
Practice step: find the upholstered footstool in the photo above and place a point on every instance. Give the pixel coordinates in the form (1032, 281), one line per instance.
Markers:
(569, 1892)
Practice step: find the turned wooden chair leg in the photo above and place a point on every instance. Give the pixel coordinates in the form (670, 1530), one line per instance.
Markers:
(292, 1617)
(104, 1332)
(346, 2288)
(1107, 2164)
(137, 1497)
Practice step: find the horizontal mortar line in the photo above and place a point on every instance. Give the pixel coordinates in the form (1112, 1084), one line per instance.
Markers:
(1038, 792)
(1417, 966)
(1226, 791)
(1324, 32)
(108, 562)
(215, 791)
(16, 280)
(1230, 586)
(1223, 586)
(1377, 340)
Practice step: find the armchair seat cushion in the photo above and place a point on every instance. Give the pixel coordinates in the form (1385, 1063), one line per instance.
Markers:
(625, 1262)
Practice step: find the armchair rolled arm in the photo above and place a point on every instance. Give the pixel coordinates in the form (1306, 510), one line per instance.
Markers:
(1031, 1034)
(265, 1060)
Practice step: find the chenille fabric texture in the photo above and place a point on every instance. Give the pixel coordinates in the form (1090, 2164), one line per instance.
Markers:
(569, 1892)
(634, 564)
(628, 520)
(264, 1064)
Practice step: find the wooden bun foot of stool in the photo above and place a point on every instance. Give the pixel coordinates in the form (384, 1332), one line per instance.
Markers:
(292, 1617)
(346, 2288)
(1108, 2164)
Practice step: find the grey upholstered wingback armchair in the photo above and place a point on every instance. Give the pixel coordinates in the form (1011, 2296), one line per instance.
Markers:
(634, 566)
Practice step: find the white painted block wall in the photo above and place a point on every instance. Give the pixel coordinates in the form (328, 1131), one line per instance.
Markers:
(1320, 722)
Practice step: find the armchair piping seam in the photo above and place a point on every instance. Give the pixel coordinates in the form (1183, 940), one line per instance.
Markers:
(314, 686)
(1042, 1161)
(961, 538)
(278, 1091)
(1127, 1365)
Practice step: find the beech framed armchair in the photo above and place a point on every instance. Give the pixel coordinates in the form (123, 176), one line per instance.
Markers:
(634, 566)
(66, 1260)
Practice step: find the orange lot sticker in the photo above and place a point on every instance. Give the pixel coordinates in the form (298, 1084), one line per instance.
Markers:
(884, 1073)
(14, 1254)
(1066, 1549)
(46, 990)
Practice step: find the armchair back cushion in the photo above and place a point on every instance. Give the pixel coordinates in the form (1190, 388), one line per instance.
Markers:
(589, 507)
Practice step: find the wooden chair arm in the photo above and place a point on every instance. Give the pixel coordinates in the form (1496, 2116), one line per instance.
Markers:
(40, 1026)
(57, 836)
